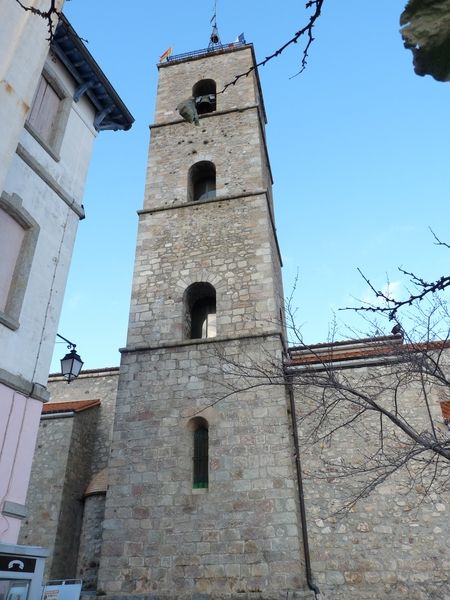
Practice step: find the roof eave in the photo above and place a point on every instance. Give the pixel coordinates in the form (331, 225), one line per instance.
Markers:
(101, 93)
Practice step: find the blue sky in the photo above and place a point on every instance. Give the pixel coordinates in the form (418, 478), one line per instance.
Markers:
(359, 149)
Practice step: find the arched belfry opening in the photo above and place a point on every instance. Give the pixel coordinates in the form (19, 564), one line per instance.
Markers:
(202, 181)
(200, 311)
(204, 93)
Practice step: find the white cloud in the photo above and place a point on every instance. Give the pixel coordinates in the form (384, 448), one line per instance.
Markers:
(391, 289)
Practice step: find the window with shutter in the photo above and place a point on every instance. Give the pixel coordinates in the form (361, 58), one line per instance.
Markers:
(44, 111)
(18, 238)
(49, 112)
(11, 238)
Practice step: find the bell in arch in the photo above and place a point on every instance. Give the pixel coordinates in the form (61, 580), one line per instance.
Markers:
(206, 104)
(214, 39)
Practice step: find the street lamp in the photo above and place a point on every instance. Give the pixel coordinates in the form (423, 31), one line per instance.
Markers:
(71, 363)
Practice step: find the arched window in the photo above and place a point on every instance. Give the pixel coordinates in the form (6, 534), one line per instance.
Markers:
(200, 461)
(202, 181)
(204, 92)
(200, 311)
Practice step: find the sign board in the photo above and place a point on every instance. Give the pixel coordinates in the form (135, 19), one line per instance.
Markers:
(18, 564)
(65, 589)
(21, 571)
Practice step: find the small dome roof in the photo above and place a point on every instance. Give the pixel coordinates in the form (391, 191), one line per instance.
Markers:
(98, 483)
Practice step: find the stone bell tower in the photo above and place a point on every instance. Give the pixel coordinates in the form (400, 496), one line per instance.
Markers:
(202, 501)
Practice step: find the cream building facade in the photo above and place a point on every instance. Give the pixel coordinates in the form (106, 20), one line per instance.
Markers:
(53, 101)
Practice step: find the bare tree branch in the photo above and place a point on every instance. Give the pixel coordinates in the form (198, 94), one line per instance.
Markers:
(393, 305)
(364, 414)
(306, 30)
(437, 241)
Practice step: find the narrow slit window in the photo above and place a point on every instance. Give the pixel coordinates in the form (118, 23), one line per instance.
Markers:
(200, 458)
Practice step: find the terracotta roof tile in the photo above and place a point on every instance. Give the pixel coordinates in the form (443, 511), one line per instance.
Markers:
(445, 407)
(368, 348)
(72, 406)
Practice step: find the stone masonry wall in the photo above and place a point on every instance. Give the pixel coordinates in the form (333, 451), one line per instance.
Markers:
(90, 541)
(98, 384)
(45, 490)
(227, 242)
(277, 280)
(60, 474)
(229, 247)
(394, 543)
(78, 475)
(69, 451)
(165, 538)
(176, 81)
(91, 385)
(232, 141)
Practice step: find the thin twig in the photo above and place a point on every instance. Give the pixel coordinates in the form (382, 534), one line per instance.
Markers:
(306, 30)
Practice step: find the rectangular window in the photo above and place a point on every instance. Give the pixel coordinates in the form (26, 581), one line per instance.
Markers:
(11, 238)
(49, 112)
(14, 589)
(18, 238)
(44, 111)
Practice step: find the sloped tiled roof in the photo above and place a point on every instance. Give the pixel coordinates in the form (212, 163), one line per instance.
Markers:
(72, 406)
(368, 351)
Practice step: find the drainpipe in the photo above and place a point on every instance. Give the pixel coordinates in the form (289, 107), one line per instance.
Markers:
(309, 578)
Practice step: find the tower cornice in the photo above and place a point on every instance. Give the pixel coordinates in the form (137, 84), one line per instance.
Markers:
(197, 342)
(205, 53)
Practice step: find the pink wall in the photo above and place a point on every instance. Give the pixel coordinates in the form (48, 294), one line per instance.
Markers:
(19, 424)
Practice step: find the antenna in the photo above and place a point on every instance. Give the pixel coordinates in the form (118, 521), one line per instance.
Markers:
(214, 39)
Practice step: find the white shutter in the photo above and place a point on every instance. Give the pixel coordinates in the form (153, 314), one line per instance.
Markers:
(44, 110)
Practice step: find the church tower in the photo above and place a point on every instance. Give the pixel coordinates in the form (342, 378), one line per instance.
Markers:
(201, 500)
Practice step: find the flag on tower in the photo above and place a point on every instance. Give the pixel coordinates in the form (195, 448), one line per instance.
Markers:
(166, 54)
